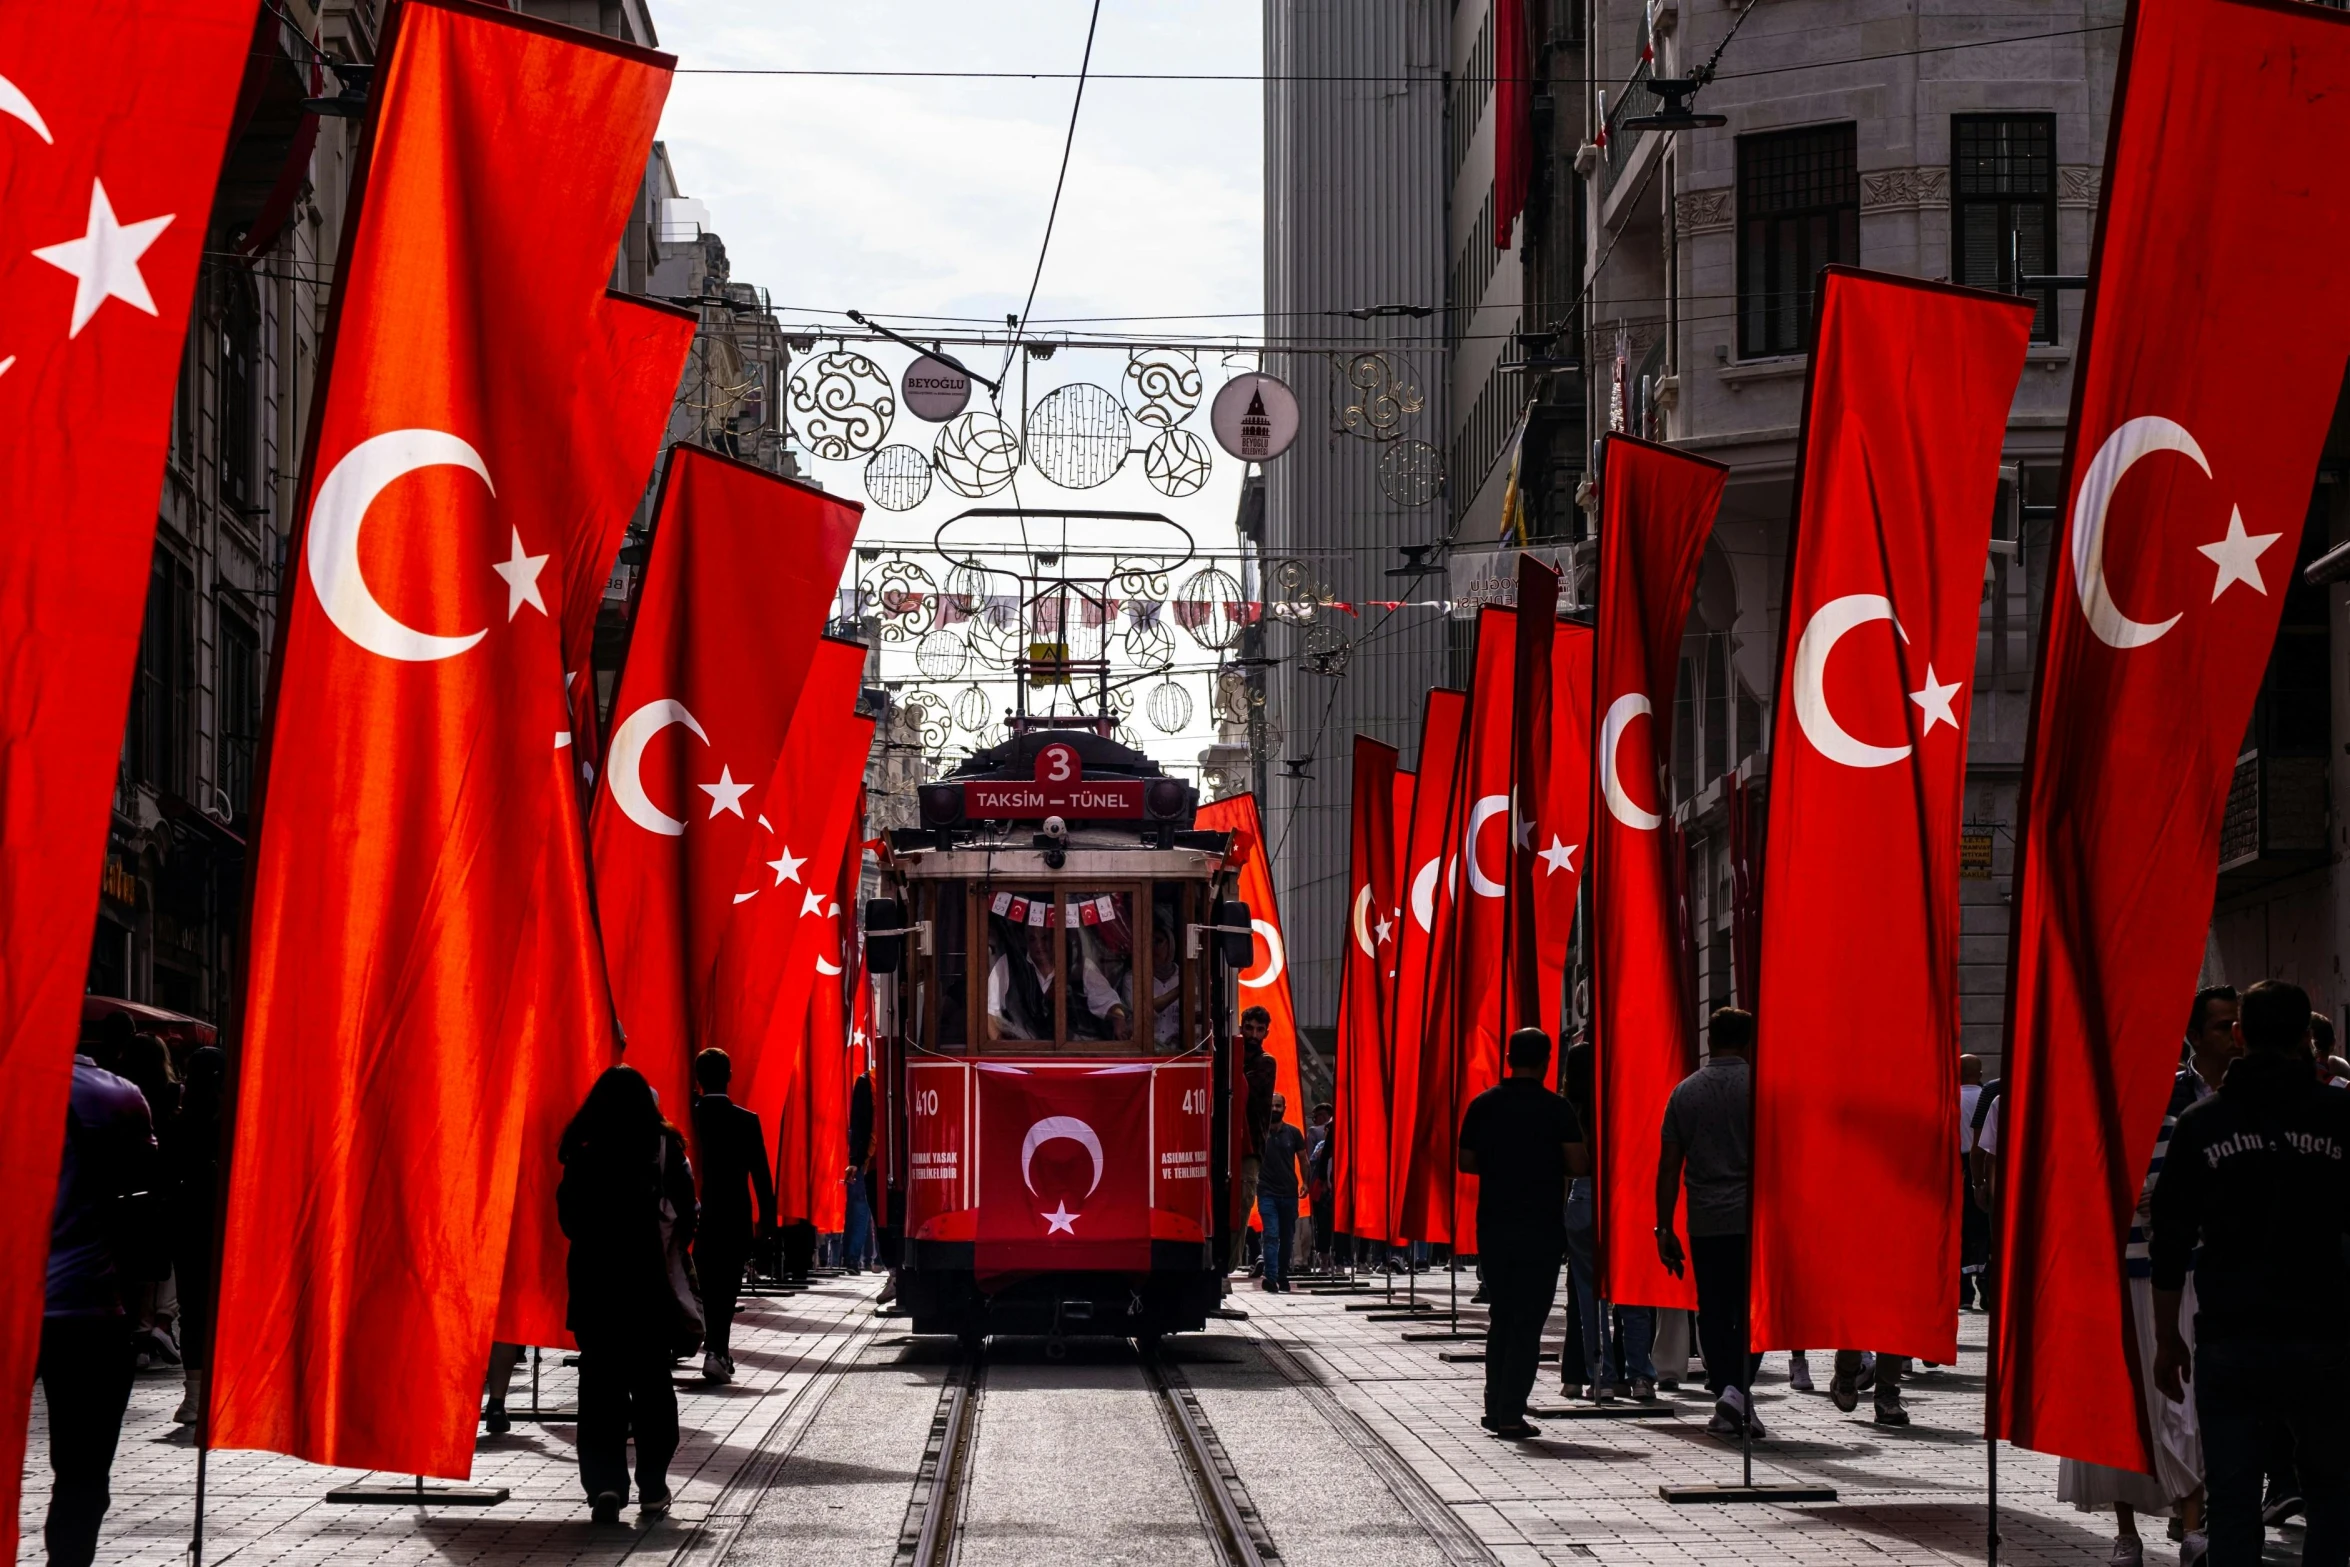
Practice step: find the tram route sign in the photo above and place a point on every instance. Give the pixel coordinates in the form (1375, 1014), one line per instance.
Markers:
(1060, 788)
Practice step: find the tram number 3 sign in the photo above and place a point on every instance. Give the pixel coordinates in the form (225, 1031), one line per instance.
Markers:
(1060, 789)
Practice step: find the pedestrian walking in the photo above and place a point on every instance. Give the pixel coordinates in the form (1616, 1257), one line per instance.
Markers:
(1321, 1196)
(106, 1238)
(627, 1203)
(192, 1170)
(1258, 1072)
(1523, 1143)
(734, 1169)
(1610, 1349)
(1709, 1145)
(2255, 1189)
(1280, 1169)
(1974, 1221)
(857, 1223)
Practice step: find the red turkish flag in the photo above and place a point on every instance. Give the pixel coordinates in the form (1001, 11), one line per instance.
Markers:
(1265, 982)
(1480, 954)
(1421, 1022)
(743, 570)
(1064, 1166)
(123, 158)
(1857, 1117)
(2227, 210)
(1562, 825)
(1513, 120)
(810, 1183)
(1656, 508)
(644, 348)
(1359, 1170)
(766, 961)
(396, 997)
(1530, 1002)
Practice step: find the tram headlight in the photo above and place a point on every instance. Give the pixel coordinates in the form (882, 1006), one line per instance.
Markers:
(942, 804)
(1166, 799)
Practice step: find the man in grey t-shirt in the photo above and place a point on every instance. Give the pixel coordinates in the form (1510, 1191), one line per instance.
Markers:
(1708, 1145)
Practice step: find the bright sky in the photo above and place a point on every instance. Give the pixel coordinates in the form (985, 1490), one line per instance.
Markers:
(926, 197)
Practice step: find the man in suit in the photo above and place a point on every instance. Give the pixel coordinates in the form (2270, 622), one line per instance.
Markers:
(733, 1156)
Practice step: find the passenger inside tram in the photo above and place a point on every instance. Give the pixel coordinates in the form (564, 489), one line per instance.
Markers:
(1166, 987)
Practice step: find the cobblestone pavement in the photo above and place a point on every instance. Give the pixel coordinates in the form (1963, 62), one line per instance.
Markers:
(1356, 1443)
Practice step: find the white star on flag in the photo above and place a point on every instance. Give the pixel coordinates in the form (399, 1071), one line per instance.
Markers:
(1934, 702)
(521, 572)
(1384, 929)
(725, 794)
(811, 903)
(1559, 856)
(787, 868)
(1521, 827)
(2238, 556)
(105, 260)
(1060, 1221)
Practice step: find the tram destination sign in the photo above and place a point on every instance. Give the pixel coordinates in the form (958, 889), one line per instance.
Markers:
(1060, 788)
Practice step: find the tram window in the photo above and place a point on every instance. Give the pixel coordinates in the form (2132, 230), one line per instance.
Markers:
(1166, 982)
(1101, 962)
(950, 919)
(1022, 980)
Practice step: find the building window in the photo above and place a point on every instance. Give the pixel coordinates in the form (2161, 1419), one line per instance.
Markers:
(163, 695)
(2003, 204)
(237, 698)
(1798, 211)
(236, 446)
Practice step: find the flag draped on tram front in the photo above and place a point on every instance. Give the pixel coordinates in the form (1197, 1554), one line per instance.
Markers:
(408, 970)
(2227, 210)
(1856, 1104)
(109, 176)
(1656, 509)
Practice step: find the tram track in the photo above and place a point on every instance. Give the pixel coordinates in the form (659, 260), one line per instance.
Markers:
(932, 1534)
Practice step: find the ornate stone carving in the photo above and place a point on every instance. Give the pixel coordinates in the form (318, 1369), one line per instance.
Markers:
(1884, 188)
(1696, 211)
(2077, 184)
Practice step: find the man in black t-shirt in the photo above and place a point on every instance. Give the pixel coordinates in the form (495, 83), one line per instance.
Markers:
(1523, 1143)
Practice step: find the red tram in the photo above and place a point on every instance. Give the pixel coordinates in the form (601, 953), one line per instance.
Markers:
(1056, 1059)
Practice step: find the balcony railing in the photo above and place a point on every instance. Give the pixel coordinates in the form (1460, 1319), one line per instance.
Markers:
(1632, 98)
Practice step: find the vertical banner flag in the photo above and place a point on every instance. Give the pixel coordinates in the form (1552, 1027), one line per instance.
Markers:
(105, 188)
(1513, 121)
(1656, 508)
(806, 1035)
(1266, 981)
(616, 434)
(743, 569)
(1359, 1170)
(396, 996)
(1479, 957)
(1563, 824)
(2227, 208)
(1856, 1112)
(1531, 719)
(765, 963)
(1428, 875)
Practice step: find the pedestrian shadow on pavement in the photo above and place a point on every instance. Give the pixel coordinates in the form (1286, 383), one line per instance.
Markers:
(1959, 1526)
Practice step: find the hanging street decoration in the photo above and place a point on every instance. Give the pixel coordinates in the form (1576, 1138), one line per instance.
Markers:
(1078, 436)
(1254, 416)
(842, 405)
(1162, 386)
(897, 478)
(976, 455)
(1176, 463)
(1411, 472)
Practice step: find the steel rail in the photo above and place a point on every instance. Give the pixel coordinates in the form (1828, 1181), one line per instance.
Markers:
(946, 1466)
(1239, 1535)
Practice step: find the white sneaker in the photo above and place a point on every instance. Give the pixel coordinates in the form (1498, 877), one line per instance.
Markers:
(2194, 1548)
(1799, 1372)
(714, 1370)
(2128, 1551)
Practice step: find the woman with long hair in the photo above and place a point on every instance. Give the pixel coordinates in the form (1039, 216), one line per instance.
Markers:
(627, 1203)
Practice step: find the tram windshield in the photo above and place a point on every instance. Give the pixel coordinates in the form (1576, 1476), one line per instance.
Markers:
(1095, 969)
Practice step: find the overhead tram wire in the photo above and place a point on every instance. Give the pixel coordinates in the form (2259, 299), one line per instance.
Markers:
(1053, 213)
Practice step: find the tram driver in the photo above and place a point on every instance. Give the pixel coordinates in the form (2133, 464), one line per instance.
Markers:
(1021, 982)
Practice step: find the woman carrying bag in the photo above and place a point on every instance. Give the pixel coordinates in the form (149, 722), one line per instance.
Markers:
(627, 1203)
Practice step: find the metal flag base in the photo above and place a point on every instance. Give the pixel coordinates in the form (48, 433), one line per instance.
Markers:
(1657, 1409)
(1773, 1495)
(1476, 1357)
(1440, 1336)
(418, 1495)
(1420, 1310)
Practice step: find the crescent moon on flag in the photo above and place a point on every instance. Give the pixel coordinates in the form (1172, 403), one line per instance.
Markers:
(1053, 1126)
(1424, 896)
(1275, 959)
(2131, 440)
(1362, 923)
(1620, 714)
(17, 106)
(621, 766)
(335, 518)
(823, 966)
(1483, 811)
(1819, 639)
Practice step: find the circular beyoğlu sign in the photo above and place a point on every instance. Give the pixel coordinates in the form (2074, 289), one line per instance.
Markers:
(1254, 417)
(935, 390)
